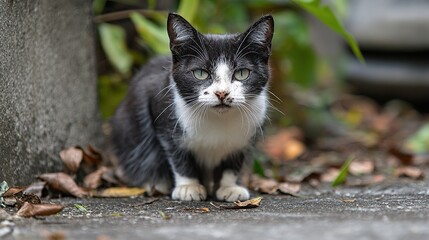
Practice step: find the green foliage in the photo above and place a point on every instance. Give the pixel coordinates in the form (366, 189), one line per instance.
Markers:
(154, 36)
(291, 47)
(258, 168)
(111, 91)
(342, 176)
(419, 141)
(113, 41)
(325, 14)
(188, 9)
(81, 208)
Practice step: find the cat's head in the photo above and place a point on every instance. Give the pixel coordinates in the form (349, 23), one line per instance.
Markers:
(220, 72)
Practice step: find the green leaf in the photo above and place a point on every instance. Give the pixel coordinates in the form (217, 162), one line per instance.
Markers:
(113, 41)
(154, 36)
(188, 9)
(81, 208)
(258, 168)
(111, 91)
(342, 176)
(419, 142)
(98, 6)
(3, 188)
(326, 15)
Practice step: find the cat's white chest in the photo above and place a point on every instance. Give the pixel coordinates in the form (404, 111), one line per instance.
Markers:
(213, 137)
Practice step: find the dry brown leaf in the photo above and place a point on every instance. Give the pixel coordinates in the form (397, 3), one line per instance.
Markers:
(197, 210)
(103, 237)
(264, 185)
(54, 235)
(22, 197)
(361, 167)
(289, 188)
(329, 175)
(251, 203)
(410, 172)
(404, 156)
(119, 192)
(91, 155)
(72, 157)
(32, 210)
(63, 183)
(93, 180)
(285, 145)
(36, 188)
(293, 149)
(12, 191)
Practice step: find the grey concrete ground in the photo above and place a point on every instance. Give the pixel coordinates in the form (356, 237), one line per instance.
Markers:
(398, 210)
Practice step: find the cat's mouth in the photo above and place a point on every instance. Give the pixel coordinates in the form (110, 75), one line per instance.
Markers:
(222, 106)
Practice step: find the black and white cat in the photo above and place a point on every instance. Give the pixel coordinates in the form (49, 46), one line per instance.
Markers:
(188, 122)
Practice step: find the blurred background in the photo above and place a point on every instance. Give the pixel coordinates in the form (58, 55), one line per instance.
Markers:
(332, 101)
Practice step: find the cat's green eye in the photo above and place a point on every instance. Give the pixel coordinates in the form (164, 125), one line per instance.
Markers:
(241, 74)
(200, 74)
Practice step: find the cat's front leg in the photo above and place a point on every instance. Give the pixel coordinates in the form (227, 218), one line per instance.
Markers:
(186, 172)
(188, 189)
(228, 189)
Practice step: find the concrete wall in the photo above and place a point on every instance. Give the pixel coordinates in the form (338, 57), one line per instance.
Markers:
(48, 97)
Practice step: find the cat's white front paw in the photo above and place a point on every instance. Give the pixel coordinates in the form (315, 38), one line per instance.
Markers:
(189, 192)
(232, 193)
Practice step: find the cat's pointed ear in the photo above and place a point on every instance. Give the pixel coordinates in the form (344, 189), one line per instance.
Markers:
(179, 30)
(261, 32)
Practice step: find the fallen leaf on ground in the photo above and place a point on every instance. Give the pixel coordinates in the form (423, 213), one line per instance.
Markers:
(32, 210)
(289, 188)
(197, 210)
(119, 192)
(410, 172)
(419, 141)
(91, 155)
(63, 183)
(36, 188)
(81, 208)
(285, 145)
(348, 200)
(329, 175)
(251, 203)
(164, 216)
(103, 237)
(22, 197)
(72, 157)
(94, 179)
(12, 191)
(342, 176)
(361, 167)
(264, 185)
(54, 235)
(405, 157)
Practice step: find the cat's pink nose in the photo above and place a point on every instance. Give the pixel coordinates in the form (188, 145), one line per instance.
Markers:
(221, 95)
